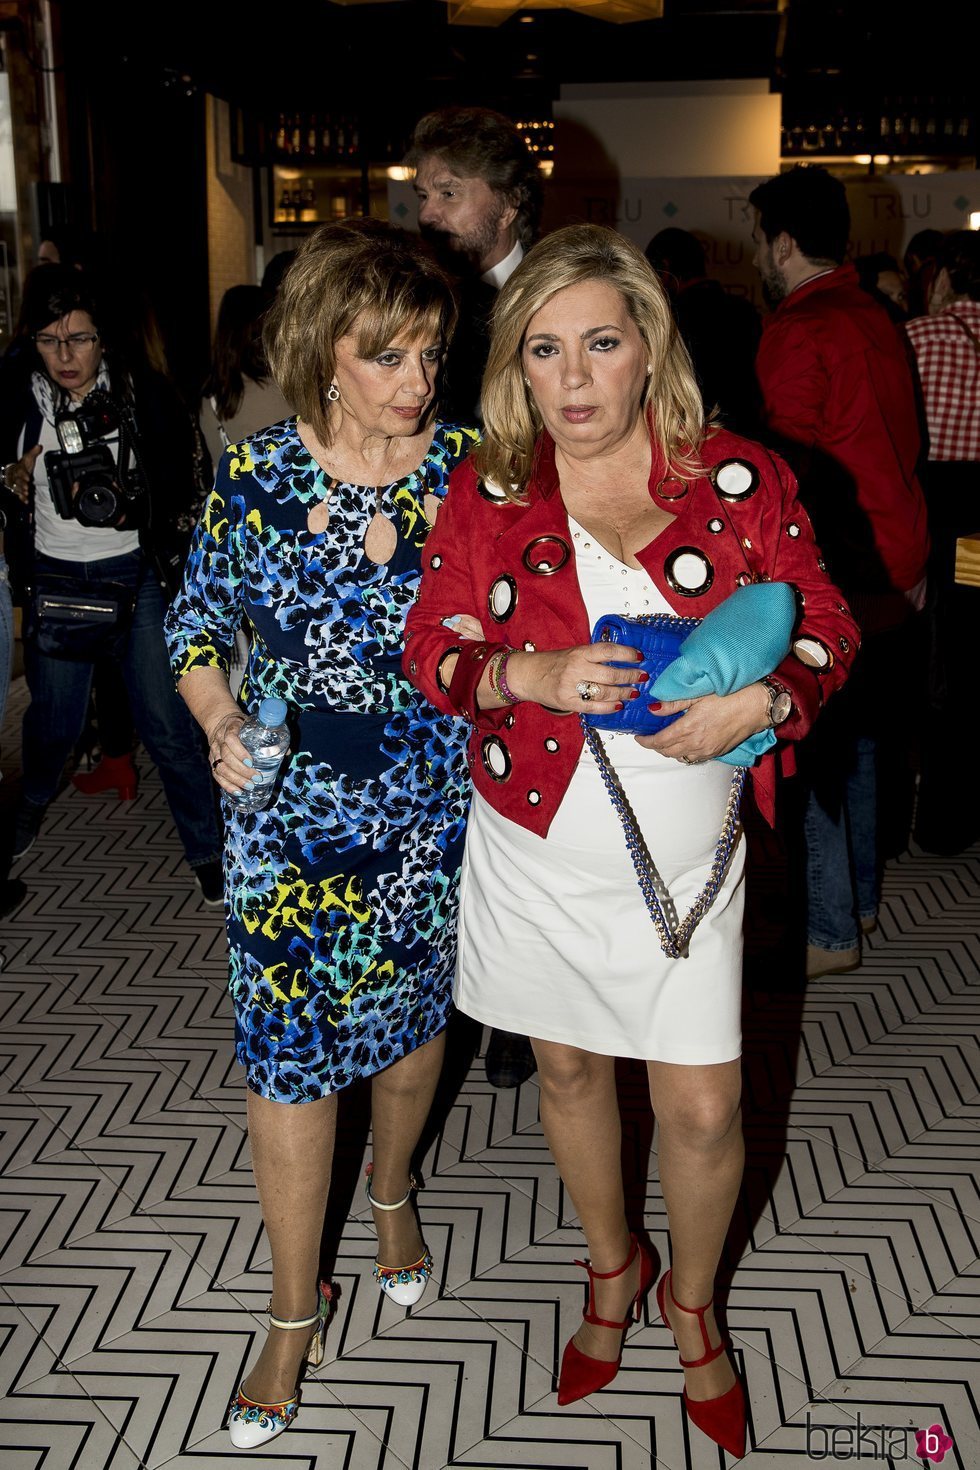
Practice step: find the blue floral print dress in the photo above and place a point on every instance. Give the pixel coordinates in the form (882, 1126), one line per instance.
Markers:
(341, 894)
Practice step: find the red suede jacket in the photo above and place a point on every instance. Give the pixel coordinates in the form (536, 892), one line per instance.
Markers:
(512, 565)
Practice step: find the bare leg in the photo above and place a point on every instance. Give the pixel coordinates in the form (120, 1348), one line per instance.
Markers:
(292, 1155)
(580, 1118)
(401, 1097)
(701, 1155)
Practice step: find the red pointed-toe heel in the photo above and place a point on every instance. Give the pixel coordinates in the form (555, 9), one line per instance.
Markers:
(721, 1419)
(113, 773)
(581, 1375)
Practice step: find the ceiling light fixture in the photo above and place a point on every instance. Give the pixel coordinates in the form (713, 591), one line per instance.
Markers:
(492, 12)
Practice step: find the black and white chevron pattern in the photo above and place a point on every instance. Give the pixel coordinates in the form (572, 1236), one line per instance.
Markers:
(134, 1271)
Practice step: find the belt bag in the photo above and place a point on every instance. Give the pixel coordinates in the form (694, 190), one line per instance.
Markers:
(77, 618)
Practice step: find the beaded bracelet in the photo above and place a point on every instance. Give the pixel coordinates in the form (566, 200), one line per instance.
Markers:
(501, 677)
(498, 685)
(492, 676)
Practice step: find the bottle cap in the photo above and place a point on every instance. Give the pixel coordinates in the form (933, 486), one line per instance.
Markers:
(272, 711)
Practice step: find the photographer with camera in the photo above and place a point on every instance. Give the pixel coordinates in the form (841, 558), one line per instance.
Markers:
(97, 452)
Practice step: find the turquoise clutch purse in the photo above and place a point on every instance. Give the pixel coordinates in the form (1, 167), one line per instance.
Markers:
(741, 640)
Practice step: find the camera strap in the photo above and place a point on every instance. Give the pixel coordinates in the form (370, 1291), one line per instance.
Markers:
(33, 425)
(123, 453)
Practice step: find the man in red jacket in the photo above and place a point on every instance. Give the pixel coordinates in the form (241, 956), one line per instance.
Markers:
(839, 400)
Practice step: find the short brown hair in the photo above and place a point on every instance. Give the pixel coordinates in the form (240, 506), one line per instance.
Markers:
(483, 144)
(568, 257)
(358, 273)
(959, 254)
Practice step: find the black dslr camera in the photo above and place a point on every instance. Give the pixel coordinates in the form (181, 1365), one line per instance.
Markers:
(112, 489)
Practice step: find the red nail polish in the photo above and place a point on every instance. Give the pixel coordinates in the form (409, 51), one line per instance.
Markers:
(644, 676)
(655, 704)
(618, 707)
(634, 694)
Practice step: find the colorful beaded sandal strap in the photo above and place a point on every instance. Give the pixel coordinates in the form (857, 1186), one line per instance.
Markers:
(413, 1185)
(287, 1324)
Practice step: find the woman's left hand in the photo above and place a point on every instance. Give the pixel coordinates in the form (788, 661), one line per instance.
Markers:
(464, 626)
(711, 725)
(230, 761)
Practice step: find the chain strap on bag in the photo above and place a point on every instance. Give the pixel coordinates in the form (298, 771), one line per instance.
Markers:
(675, 937)
(757, 655)
(674, 934)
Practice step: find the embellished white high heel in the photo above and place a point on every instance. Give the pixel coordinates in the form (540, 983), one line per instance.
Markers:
(403, 1284)
(251, 1423)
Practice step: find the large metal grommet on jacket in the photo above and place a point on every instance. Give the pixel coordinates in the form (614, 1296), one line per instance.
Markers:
(546, 555)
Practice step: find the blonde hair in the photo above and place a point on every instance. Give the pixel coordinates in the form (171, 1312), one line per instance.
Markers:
(362, 276)
(566, 258)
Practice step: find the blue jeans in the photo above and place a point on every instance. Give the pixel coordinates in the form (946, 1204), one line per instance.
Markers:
(6, 635)
(850, 784)
(842, 852)
(59, 703)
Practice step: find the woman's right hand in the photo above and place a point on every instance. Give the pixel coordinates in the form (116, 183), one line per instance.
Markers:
(20, 474)
(552, 678)
(230, 761)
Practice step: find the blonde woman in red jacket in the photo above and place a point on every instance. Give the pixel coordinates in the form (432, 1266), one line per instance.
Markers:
(598, 489)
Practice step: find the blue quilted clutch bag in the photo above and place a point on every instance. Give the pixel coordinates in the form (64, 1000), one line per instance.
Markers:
(741, 640)
(659, 638)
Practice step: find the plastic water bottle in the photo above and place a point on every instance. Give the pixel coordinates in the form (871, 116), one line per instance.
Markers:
(266, 738)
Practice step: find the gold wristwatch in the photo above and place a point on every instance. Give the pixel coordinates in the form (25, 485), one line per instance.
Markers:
(780, 701)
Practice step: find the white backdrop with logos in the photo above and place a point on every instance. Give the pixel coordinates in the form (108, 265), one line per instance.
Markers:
(886, 211)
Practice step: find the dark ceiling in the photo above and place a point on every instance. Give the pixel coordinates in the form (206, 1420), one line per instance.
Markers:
(399, 59)
(136, 73)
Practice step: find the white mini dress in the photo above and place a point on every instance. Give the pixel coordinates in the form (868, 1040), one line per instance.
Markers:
(555, 940)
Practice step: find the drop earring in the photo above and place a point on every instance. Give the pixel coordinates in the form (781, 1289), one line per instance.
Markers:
(333, 393)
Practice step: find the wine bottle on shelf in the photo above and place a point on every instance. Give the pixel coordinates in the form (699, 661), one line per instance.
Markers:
(326, 139)
(296, 136)
(308, 213)
(312, 137)
(930, 123)
(284, 208)
(281, 140)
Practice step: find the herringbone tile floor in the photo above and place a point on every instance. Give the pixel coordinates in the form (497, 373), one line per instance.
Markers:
(134, 1270)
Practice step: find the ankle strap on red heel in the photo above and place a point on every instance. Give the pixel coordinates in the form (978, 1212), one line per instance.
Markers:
(710, 1353)
(589, 1315)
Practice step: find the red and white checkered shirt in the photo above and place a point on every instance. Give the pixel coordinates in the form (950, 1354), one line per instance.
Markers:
(949, 371)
